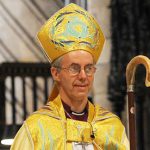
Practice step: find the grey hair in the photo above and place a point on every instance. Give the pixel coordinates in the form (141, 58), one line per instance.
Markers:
(57, 63)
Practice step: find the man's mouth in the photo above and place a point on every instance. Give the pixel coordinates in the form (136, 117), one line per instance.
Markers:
(81, 87)
(85, 85)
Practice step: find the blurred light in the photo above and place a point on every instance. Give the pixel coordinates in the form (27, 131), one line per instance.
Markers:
(9, 133)
(7, 141)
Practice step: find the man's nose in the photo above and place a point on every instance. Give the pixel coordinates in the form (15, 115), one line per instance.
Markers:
(82, 74)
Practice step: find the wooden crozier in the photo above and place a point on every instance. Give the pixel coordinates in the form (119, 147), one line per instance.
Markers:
(130, 78)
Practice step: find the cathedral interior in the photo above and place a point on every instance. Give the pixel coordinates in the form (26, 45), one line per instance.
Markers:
(25, 79)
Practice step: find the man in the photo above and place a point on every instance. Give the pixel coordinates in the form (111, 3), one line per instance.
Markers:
(72, 41)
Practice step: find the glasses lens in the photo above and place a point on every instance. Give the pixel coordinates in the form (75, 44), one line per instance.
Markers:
(89, 70)
(74, 69)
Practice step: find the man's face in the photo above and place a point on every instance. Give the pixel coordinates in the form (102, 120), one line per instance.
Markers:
(75, 86)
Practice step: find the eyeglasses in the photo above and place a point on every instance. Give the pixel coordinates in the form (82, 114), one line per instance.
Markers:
(75, 69)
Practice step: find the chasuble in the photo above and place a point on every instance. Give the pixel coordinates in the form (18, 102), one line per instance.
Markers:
(49, 129)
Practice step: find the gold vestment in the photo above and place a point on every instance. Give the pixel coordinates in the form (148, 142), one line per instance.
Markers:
(48, 129)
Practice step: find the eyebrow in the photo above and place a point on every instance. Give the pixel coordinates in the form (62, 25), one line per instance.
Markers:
(79, 64)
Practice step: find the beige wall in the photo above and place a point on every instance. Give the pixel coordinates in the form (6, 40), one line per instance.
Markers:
(20, 21)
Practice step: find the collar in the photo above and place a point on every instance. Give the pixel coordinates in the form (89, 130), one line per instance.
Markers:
(73, 115)
(60, 109)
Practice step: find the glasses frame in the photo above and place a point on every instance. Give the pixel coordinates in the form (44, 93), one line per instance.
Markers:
(78, 71)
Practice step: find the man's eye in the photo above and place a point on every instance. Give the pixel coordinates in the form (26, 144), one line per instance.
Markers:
(75, 67)
(88, 69)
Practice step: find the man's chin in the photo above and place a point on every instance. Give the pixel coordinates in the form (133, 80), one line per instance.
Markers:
(81, 95)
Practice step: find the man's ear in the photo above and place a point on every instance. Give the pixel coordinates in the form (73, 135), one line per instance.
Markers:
(55, 74)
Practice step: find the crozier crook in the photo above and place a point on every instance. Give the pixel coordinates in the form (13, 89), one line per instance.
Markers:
(130, 79)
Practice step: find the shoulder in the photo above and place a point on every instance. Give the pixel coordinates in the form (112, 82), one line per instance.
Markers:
(23, 139)
(108, 126)
(105, 116)
(103, 113)
(45, 114)
(108, 121)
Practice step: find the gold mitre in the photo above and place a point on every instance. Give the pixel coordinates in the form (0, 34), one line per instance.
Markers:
(71, 28)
